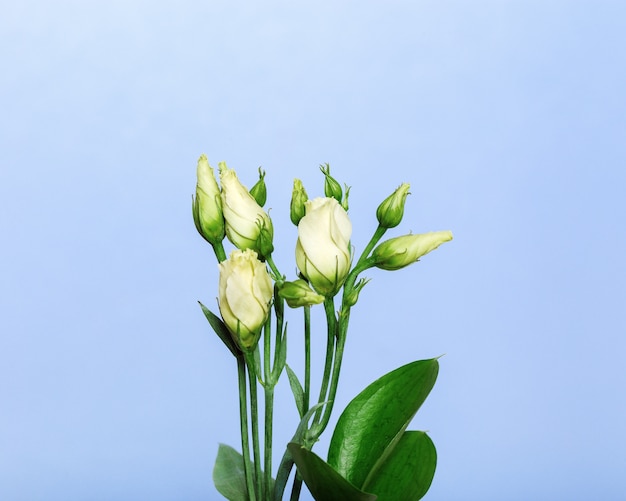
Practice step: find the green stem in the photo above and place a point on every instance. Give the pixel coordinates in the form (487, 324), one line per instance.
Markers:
(297, 481)
(364, 262)
(307, 359)
(277, 275)
(220, 254)
(331, 321)
(269, 406)
(254, 414)
(296, 488)
(334, 383)
(243, 421)
(378, 234)
(269, 409)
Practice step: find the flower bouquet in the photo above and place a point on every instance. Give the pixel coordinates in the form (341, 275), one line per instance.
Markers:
(371, 454)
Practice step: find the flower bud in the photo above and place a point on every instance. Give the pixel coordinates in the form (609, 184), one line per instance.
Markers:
(245, 293)
(323, 247)
(298, 197)
(259, 190)
(352, 296)
(206, 206)
(332, 189)
(399, 252)
(391, 211)
(344, 200)
(298, 293)
(247, 225)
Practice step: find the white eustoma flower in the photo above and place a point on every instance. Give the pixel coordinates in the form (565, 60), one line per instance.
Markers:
(323, 248)
(399, 252)
(247, 225)
(245, 293)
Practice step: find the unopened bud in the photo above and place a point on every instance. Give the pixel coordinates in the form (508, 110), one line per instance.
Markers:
(248, 226)
(399, 252)
(298, 198)
(344, 200)
(391, 211)
(207, 204)
(352, 296)
(264, 242)
(259, 190)
(332, 189)
(299, 293)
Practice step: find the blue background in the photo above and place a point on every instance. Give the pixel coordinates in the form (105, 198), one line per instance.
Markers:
(508, 118)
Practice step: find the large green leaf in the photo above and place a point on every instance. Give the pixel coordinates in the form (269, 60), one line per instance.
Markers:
(370, 427)
(324, 483)
(408, 470)
(229, 474)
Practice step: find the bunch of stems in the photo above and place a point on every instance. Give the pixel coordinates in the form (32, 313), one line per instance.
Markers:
(264, 369)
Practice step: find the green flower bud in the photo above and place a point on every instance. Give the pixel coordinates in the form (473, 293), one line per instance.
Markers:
(248, 226)
(264, 242)
(399, 252)
(245, 294)
(206, 206)
(353, 295)
(391, 211)
(332, 189)
(323, 253)
(298, 293)
(298, 197)
(259, 190)
(346, 193)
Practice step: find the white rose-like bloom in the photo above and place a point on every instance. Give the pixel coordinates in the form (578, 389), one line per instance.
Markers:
(323, 248)
(245, 218)
(245, 292)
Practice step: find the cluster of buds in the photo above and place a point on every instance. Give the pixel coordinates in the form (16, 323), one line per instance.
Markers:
(233, 212)
(399, 252)
(323, 252)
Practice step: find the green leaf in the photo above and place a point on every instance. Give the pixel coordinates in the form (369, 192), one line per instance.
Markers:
(229, 474)
(281, 358)
(296, 389)
(324, 483)
(221, 330)
(408, 471)
(372, 424)
(282, 475)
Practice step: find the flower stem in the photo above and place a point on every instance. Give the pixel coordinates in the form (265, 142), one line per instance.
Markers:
(220, 253)
(307, 359)
(296, 488)
(334, 383)
(269, 409)
(243, 421)
(277, 275)
(331, 321)
(254, 415)
(378, 234)
(269, 399)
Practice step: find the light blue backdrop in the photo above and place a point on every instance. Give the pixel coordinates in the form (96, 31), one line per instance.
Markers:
(507, 118)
